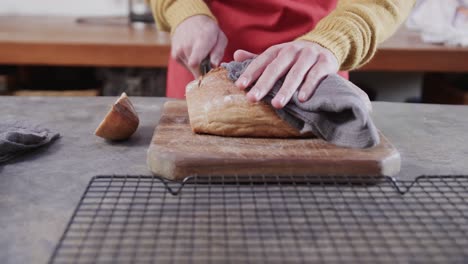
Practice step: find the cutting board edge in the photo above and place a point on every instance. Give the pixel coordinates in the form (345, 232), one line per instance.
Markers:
(174, 166)
(177, 165)
(391, 165)
(161, 164)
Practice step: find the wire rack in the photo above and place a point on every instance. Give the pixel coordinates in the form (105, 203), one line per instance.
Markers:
(144, 219)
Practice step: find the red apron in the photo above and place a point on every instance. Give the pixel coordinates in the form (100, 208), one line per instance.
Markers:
(255, 26)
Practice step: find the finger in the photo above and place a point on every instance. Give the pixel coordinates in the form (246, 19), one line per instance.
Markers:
(217, 52)
(182, 59)
(256, 67)
(178, 54)
(195, 71)
(273, 72)
(295, 77)
(242, 55)
(199, 51)
(316, 74)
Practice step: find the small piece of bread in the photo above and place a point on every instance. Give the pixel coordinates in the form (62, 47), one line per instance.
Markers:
(120, 122)
(216, 106)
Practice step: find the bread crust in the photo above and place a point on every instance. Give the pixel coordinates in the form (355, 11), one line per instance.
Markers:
(216, 106)
(120, 122)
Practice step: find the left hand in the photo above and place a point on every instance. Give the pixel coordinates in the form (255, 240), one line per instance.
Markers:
(306, 64)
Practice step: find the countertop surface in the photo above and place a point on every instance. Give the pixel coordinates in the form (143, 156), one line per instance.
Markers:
(39, 191)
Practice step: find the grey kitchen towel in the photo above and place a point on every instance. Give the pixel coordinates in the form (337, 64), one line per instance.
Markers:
(17, 138)
(336, 112)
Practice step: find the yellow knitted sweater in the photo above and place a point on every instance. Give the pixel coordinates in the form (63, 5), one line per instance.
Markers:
(352, 31)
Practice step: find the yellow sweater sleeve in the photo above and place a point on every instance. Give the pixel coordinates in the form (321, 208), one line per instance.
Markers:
(352, 31)
(168, 14)
(355, 28)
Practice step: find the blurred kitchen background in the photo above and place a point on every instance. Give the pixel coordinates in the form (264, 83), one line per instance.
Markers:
(104, 47)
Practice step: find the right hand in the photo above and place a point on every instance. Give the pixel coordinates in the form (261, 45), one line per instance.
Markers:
(194, 39)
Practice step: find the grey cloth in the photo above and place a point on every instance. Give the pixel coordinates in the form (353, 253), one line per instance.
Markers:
(17, 138)
(336, 112)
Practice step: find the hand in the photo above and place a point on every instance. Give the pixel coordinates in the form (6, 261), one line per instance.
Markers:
(194, 39)
(306, 64)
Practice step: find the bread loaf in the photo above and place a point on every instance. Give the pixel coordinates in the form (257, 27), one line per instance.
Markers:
(216, 106)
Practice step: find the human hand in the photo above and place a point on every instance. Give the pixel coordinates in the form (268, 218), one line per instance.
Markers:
(306, 64)
(194, 39)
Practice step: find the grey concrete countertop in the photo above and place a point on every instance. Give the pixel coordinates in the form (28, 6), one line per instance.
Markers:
(39, 191)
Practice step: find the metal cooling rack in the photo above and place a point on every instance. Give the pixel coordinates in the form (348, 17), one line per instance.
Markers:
(125, 219)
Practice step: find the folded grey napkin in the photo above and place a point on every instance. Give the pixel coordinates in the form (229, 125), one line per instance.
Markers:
(336, 112)
(17, 138)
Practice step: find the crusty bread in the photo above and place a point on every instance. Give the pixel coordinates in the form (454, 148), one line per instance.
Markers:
(120, 122)
(216, 106)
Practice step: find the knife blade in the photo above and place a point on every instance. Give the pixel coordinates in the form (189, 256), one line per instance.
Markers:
(205, 65)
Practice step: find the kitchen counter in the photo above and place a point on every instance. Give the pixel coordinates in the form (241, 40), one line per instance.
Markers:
(38, 192)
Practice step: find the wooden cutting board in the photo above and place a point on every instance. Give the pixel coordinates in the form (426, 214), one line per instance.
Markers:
(176, 152)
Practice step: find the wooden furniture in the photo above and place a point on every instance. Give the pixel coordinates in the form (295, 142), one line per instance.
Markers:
(405, 51)
(439, 89)
(62, 41)
(56, 93)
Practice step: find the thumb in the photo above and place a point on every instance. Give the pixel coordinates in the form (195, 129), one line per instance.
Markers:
(242, 55)
(217, 52)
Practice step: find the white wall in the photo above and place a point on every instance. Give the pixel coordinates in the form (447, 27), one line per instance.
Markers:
(64, 7)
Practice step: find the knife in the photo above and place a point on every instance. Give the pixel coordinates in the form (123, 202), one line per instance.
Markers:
(205, 65)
